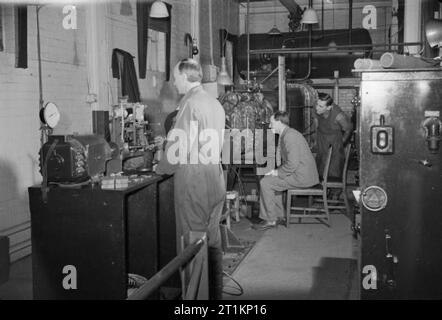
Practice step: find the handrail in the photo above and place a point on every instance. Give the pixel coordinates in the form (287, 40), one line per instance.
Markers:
(165, 273)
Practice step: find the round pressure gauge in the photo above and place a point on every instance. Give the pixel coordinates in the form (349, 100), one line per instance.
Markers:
(374, 198)
(50, 115)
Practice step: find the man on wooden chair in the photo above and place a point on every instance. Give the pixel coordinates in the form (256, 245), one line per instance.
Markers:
(297, 170)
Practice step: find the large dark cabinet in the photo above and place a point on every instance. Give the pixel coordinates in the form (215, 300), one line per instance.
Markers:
(104, 234)
(401, 226)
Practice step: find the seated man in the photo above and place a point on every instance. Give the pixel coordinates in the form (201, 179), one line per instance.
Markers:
(297, 170)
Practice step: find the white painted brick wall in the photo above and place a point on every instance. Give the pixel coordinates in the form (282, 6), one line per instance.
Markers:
(64, 82)
(64, 72)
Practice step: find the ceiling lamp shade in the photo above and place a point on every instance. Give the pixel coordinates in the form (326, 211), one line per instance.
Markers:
(274, 31)
(433, 32)
(223, 77)
(309, 16)
(158, 10)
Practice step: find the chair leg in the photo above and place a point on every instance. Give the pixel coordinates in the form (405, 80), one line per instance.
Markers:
(287, 211)
(347, 204)
(236, 206)
(327, 211)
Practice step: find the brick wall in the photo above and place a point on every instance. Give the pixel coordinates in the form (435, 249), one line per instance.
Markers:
(64, 82)
(65, 74)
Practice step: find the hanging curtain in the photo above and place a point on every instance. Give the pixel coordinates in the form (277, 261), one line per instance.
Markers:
(21, 36)
(123, 68)
(144, 22)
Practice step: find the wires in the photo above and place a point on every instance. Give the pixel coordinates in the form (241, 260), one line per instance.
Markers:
(242, 190)
(239, 288)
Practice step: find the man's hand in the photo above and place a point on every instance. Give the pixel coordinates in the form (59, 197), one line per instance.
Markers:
(159, 141)
(273, 173)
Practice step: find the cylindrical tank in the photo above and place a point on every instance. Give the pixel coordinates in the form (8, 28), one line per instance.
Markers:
(323, 65)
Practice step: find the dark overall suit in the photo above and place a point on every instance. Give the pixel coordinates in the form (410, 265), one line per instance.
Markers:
(330, 134)
(199, 186)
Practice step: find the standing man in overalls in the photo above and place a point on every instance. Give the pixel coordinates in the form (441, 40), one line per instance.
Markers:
(199, 188)
(333, 129)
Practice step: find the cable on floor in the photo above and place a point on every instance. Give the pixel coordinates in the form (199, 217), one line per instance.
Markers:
(238, 286)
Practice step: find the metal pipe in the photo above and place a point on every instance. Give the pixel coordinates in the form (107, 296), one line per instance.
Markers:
(350, 21)
(281, 83)
(336, 87)
(211, 35)
(40, 80)
(270, 74)
(321, 49)
(165, 273)
(248, 42)
(322, 18)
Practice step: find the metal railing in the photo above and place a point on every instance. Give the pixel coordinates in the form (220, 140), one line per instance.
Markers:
(192, 261)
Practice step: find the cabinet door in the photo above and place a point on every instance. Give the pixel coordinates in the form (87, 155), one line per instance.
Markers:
(81, 229)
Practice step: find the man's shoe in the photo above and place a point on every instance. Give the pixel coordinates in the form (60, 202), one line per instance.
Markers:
(265, 225)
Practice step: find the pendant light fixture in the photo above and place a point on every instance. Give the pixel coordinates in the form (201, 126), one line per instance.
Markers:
(310, 16)
(223, 77)
(158, 10)
(274, 31)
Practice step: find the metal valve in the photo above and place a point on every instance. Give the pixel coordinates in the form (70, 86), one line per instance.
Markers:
(433, 129)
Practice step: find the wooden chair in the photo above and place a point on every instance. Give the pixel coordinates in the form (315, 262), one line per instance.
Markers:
(317, 191)
(341, 184)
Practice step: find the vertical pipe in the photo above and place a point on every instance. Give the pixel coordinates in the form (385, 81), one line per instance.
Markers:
(248, 42)
(336, 93)
(281, 83)
(350, 22)
(412, 27)
(40, 81)
(210, 33)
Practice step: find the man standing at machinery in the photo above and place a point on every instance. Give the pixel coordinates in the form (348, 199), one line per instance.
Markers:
(333, 129)
(199, 187)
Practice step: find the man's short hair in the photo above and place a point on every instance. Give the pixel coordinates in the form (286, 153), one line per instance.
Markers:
(325, 97)
(282, 116)
(192, 69)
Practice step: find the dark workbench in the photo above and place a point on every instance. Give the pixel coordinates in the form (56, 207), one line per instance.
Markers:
(104, 234)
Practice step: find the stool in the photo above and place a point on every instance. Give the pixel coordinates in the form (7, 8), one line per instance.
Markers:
(228, 238)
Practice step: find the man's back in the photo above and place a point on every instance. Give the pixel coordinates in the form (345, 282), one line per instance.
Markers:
(298, 165)
(209, 118)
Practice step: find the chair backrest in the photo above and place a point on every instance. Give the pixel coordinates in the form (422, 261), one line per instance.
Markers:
(327, 165)
(347, 158)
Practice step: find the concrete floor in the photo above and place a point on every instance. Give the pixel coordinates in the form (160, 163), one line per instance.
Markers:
(305, 261)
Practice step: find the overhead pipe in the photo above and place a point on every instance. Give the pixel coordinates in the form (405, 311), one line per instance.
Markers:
(325, 49)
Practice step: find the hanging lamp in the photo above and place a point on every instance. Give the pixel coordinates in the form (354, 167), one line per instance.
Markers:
(223, 77)
(310, 16)
(159, 10)
(274, 31)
